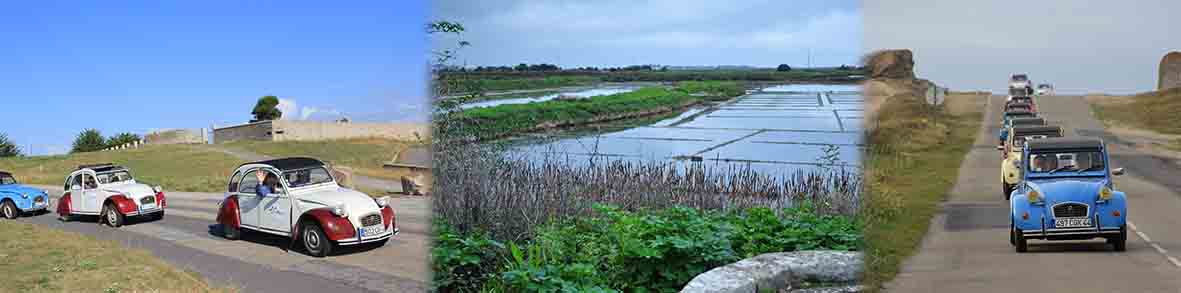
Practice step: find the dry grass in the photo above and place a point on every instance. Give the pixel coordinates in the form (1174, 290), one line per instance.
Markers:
(913, 161)
(363, 156)
(174, 167)
(46, 260)
(1155, 111)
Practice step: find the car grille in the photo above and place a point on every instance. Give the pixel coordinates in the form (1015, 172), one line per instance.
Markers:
(147, 200)
(1070, 210)
(371, 220)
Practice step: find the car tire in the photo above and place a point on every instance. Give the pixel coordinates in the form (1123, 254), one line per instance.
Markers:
(9, 210)
(111, 216)
(1012, 238)
(157, 216)
(231, 232)
(315, 242)
(1007, 189)
(1021, 244)
(1121, 243)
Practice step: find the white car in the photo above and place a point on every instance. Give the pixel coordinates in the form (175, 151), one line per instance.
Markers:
(306, 202)
(110, 192)
(1045, 89)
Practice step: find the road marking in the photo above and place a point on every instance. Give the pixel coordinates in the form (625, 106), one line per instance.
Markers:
(1154, 245)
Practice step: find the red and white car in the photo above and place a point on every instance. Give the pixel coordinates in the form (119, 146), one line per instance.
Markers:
(307, 204)
(110, 192)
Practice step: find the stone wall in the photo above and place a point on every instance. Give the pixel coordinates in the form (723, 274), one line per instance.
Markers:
(1170, 71)
(284, 130)
(316, 130)
(177, 136)
(249, 131)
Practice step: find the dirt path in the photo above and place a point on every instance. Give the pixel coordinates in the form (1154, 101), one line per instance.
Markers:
(967, 249)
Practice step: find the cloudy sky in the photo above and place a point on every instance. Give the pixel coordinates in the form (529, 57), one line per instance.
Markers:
(669, 32)
(1077, 45)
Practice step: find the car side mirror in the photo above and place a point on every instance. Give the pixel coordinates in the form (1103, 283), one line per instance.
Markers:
(1117, 171)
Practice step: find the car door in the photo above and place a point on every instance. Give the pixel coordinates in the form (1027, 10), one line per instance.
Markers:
(92, 197)
(248, 201)
(74, 191)
(276, 208)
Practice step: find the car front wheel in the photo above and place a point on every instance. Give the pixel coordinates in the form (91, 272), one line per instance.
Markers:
(1007, 189)
(111, 216)
(314, 240)
(9, 210)
(1021, 244)
(1120, 243)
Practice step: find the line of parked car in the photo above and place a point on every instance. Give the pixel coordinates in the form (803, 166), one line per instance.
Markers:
(1058, 188)
(291, 197)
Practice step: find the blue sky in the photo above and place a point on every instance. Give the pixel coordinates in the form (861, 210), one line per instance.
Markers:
(120, 66)
(669, 32)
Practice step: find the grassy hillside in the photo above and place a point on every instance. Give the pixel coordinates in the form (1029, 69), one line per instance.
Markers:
(1156, 111)
(47, 260)
(364, 156)
(175, 167)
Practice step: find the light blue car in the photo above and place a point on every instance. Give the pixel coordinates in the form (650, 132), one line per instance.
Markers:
(17, 199)
(1067, 194)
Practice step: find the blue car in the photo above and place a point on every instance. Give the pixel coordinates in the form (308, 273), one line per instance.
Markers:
(1067, 194)
(16, 199)
(1006, 121)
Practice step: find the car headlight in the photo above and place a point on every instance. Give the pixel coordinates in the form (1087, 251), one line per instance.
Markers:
(382, 202)
(339, 211)
(1105, 193)
(1034, 196)
(24, 195)
(157, 188)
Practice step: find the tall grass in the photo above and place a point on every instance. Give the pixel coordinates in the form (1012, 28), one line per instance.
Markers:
(484, 190)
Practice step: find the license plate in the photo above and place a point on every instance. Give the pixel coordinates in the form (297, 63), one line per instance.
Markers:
(1072, 222)
(372, 230)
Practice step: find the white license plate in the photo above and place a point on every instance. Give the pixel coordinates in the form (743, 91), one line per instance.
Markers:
(1072, 222)
(372, 230)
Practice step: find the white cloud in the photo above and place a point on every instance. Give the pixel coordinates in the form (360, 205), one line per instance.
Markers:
(290, 109)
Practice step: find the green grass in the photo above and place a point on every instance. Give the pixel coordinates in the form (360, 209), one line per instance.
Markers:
(493, 83)
(502, 81)
(1156, 111)
(174, 167)
(913, 161)
(47, 260)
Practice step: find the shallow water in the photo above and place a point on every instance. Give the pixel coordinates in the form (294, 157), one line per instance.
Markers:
(777, 130)
(580, 93)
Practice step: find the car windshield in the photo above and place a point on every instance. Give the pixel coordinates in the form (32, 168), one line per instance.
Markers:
(1020, 77)
(1067, 161)
(6, 179)
(1019, 141)
(114, 177)
(306, 177)
(1044, 86)
(1020, 115)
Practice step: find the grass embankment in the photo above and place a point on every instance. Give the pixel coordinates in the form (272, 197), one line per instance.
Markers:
(174, 167)
(914, 157)
(503, 81)
(510, 119)
(364, 156)
(47, 260)
(1155, 111)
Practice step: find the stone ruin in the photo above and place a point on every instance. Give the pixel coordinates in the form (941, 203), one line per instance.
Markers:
(1170, 71)
(891, 64)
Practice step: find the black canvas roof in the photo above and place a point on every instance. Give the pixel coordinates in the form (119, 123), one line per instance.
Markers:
(1064, 143)
(1018, 111)
(1048, 130)
(293, 163)
(100, 168)
(1028, 121)
(5, 173)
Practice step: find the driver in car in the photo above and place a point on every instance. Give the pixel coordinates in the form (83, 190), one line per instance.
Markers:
(1041, 163)
(269, 184)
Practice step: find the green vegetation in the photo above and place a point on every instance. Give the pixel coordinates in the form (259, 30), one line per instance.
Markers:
(913, 161)
(504, 81)
(88, 141)
(621, 251)
(266, 109)
(715, 89)
(48, 260)
(122, 138)
(7, 147)
(1156, 111)
(501, 83)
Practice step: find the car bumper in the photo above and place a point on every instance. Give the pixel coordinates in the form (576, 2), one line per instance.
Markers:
(1071, 233)
(36, 208)
(144, 211)
(378, 238)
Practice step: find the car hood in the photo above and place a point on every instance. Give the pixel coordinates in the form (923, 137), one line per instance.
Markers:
(131, 190)
(331, 196)
(21, 189)
(1069, 189)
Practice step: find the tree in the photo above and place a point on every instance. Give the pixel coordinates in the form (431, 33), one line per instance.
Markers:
(7, 147)
(266, 109)
(122, 138)
(783, 67)
(88, 141)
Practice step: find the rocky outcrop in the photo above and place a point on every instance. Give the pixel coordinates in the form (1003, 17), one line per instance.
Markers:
(1170, 71)
(893, 64)
(780, 271)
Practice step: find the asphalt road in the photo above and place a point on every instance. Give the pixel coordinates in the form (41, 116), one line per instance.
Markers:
(189, 238)
(967, 248)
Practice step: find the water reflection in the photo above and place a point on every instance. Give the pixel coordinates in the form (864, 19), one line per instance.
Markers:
(580, 93)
